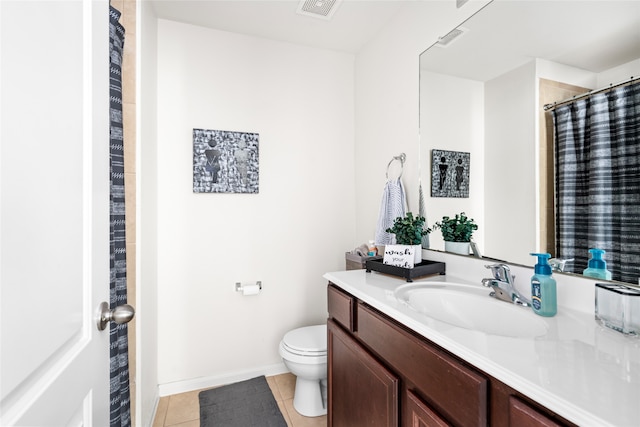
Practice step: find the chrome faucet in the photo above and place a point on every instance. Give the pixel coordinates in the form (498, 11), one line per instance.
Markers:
(502, 285)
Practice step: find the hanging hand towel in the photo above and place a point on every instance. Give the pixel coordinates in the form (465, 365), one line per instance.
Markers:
(421, 212)
(393, 205)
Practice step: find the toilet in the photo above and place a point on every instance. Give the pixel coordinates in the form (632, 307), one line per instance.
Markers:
(304, 352)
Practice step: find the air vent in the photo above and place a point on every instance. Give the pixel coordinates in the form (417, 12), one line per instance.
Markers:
(452, 36)
(323, 9)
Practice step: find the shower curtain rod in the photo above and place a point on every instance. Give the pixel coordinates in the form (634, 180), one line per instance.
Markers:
(548, 107)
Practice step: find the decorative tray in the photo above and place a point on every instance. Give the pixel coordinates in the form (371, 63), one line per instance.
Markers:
(425, 268)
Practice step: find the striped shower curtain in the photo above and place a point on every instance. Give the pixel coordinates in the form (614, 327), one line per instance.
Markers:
(120, 410)
(597, 150)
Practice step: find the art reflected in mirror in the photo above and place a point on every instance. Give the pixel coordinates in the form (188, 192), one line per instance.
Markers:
(450, 173)
(484, 92)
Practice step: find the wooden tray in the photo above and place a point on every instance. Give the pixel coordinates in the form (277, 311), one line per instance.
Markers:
(425, 268)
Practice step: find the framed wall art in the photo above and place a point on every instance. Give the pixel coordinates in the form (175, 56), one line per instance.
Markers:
(450, 173)
(225, 161)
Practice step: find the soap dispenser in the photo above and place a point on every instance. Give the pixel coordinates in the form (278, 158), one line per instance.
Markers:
(543, 288)
(597, 266)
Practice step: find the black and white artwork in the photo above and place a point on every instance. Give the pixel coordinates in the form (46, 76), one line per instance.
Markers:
(225, 161)
(450, 173)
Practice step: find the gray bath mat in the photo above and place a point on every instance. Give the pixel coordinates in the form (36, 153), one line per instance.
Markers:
(245, 404)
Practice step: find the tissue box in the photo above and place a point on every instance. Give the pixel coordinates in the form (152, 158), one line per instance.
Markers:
(357, 262)
(618, 307)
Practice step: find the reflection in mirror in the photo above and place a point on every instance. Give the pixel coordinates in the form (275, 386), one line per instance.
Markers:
(483, 93)
(597, 159)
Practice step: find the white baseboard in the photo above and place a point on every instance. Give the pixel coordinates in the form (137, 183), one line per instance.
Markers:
(215, 381)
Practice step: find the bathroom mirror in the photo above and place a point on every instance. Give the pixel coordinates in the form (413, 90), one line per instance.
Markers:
(480, 94)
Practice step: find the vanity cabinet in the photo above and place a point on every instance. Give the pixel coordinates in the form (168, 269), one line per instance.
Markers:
(363, 391)
(421, 415)
(380, 373)
(521, 414)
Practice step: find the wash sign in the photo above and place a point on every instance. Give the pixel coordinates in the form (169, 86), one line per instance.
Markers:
(399, 255)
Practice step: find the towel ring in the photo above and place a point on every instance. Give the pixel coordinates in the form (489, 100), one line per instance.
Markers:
(401, 158)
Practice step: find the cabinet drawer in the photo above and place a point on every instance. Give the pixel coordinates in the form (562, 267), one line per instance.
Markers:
(454, 390)
(341, 307)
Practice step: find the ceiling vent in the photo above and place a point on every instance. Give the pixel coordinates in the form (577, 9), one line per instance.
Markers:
(323, 9)
(452, 36)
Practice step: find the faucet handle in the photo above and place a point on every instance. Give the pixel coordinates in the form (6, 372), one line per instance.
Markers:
(501, 272)
(558, 264)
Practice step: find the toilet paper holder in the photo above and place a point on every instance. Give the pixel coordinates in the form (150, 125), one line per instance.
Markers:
(239, 287)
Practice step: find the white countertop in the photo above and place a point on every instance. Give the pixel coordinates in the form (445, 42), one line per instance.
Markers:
(584, 372)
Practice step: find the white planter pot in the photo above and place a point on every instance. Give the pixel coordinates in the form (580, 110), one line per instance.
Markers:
(462, 248)
(417, 254)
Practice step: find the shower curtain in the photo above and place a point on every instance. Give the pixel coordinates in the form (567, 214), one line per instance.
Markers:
(597, 156)
(120, 411)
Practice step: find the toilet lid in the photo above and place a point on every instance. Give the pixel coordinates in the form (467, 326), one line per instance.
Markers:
(307, 340)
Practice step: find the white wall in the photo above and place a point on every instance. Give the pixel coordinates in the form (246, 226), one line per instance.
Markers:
(452, 118)
(510, 165)
(619, 74)
(563, 73)
(146, 218)
(313, 204)
(300, 101)
(472, 116)
(387, 104)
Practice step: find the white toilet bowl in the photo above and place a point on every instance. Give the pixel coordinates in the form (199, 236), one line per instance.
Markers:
(304, 352)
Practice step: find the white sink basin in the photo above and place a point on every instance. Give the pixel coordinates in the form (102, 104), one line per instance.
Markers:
(471, 307)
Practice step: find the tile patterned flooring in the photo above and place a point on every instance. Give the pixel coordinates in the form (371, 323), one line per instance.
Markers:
(183, 410)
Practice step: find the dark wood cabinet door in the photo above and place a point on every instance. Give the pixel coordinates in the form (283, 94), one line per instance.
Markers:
(362, 392)
(455, 390)
(418, 414)
(523, 415)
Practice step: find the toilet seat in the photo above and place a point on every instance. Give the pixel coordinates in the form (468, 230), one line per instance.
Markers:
(309, 341)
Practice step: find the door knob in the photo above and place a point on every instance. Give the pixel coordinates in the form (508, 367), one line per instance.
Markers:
(121, 314)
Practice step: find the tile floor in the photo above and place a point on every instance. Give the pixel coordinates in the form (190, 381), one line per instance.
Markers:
(183, 410)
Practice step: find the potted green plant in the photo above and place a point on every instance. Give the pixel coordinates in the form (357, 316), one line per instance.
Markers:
(456, 232)
(409, 231)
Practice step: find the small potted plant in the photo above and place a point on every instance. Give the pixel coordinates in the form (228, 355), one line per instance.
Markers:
(409, 231)
(456, 232)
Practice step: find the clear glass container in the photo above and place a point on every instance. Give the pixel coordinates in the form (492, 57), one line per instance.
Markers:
(618, 307)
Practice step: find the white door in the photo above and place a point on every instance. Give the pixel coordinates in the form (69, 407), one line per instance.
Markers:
(54, 212)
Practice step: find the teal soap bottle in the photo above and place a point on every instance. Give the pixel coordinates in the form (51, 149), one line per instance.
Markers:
(544, 300)
(597, 266)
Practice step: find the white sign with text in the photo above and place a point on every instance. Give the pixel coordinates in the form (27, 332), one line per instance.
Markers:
(399, 255)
